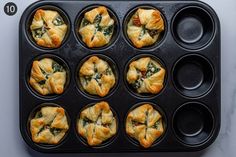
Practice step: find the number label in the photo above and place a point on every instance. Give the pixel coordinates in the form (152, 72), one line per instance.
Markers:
(10, 8)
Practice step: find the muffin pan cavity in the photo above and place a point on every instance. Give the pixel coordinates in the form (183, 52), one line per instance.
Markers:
(193, 123)
(150, 78)
(102, 123)
(193, 27)
(52, 85)
(47, 26)
(130, 19)
(177, 75)
(193, 75)
(103, 90)
(81, 19)
(145, 131)
(46, 125)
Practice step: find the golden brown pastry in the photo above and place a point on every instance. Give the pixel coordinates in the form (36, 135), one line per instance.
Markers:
(96, 27)
(97, 124)
(145, 124)
(47, 77)
(144, 27)
(96, 76)
(146, 75)
(48, 28)
(49, 125)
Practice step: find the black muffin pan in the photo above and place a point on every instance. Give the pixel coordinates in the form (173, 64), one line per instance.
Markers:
(189, 50)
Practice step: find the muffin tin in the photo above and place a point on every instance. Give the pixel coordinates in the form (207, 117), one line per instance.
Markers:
(189, 50)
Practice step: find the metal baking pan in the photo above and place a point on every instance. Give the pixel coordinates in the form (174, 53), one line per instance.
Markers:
(190, 99)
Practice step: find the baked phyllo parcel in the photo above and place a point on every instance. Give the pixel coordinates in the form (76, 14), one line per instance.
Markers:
(97, 27)
(97, 124)
(145, 124)
(144, 27)
(96, 76)
(49, 125)
(47, 77)
(146, 75)
(48, 28)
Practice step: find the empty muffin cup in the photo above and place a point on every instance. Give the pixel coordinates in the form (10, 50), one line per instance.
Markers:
(193, 75)
(193, 27)
(193, 123)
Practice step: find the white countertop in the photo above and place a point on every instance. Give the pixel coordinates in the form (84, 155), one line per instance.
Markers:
(12, 145)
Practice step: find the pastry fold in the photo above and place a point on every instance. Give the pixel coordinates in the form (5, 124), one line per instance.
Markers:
(96, 28)
(48, 28)
(144, 124)
(49, 125)
(96, 76)
(97, 123)
(47, 77)
(144, 27)
(146, 75)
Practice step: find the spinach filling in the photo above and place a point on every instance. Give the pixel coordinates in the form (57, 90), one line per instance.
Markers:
(137, 84)
(42, 82)
(41, 129)
(88, 78)
(87, 121)
(108, 71)
(151, 69)
(38, 114)
(58, 21)
(98, 19)
(153, 33)
(39, 32)
(157, 125)
(143, 31)
(44, 73)
(85, 22)
(108, 30)
(56, 67)
(55, 131)
(97, 76)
